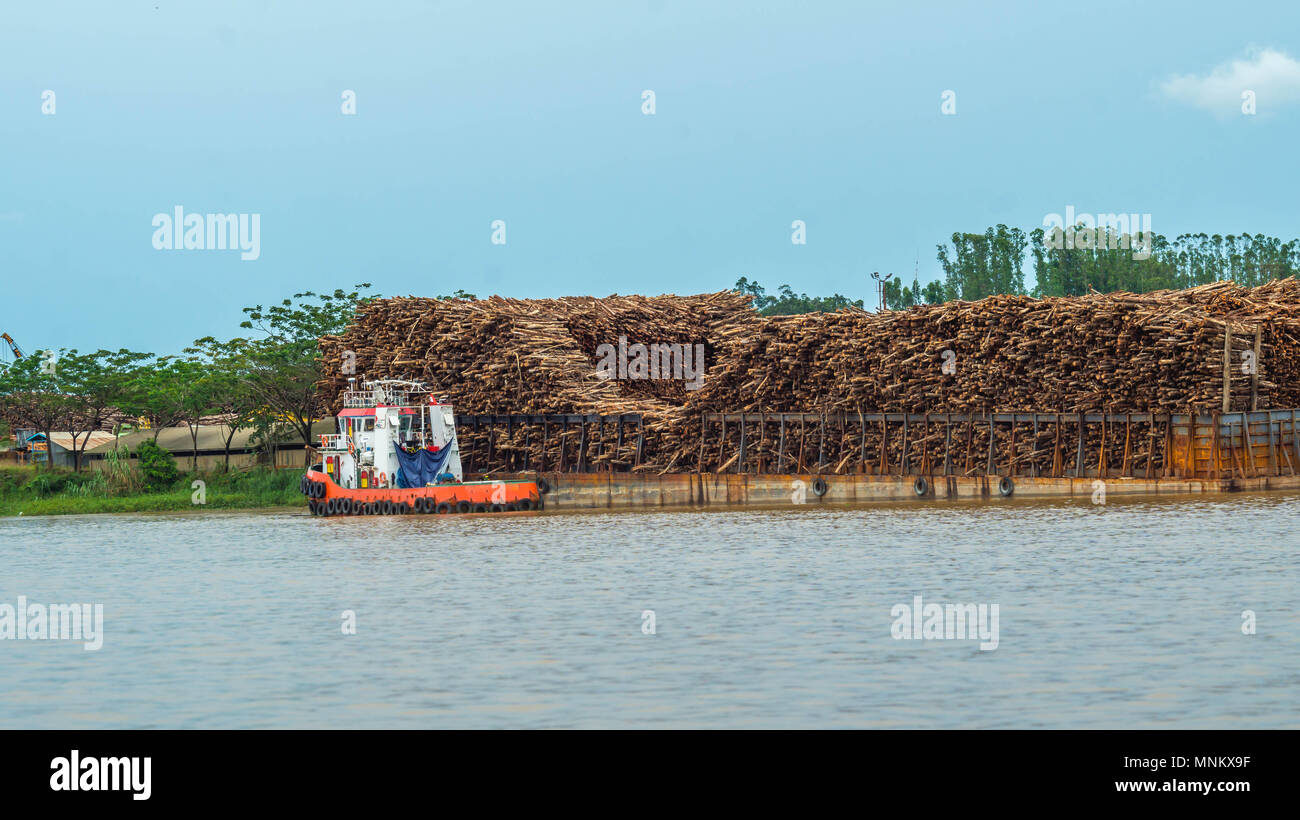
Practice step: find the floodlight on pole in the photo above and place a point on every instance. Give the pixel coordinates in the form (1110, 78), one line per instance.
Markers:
(880, 285)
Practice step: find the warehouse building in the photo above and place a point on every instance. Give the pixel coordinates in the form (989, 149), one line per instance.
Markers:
(211, 449)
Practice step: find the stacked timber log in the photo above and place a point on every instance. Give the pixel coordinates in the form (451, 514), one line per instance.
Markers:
(1118, 353)
(1004, 352)
(537, 356)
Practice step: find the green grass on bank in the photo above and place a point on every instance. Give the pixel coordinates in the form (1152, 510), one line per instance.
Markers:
(37, 491)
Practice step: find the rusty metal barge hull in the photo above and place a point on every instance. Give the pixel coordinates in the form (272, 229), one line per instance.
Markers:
(590, 491)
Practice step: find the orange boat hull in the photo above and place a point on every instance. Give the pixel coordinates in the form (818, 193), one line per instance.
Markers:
(325, 497)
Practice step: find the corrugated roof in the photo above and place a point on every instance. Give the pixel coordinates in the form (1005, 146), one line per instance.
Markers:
(65, 440)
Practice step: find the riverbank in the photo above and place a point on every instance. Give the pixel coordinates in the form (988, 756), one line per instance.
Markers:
(38, 491)
(28, 491)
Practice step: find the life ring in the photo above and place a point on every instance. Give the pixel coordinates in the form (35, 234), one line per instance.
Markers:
(443, 508)
(463, 507)
(383, 479)
(819, 486)
(1006, 486)
(921, 487)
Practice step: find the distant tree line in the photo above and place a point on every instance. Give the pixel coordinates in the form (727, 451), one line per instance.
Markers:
(1065, 263)
(978, 265)
(787, 302)
(265, 381)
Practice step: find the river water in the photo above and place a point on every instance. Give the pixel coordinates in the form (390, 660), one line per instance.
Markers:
(1117, 615)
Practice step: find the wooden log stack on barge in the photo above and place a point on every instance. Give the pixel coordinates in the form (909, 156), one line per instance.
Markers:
(1215, 348)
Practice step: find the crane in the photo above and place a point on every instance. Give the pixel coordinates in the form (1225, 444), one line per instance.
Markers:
(13, 346)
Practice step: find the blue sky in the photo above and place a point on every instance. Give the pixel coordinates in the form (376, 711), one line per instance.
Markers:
(531, 113)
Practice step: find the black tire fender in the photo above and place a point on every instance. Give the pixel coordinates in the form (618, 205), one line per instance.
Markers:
(921, 487)
(819, 486)
(1006, 486)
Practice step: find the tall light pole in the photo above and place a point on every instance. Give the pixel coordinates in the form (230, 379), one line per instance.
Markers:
(880, 286)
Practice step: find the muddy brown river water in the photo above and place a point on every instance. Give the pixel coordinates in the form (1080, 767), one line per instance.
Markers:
(1129, 614)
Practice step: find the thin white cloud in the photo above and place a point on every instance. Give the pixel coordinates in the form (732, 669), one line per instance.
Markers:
(1271, 74)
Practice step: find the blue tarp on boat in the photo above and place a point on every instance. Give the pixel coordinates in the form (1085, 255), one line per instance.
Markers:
(421, 467)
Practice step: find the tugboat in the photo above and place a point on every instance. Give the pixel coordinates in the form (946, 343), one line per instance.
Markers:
(396, 453)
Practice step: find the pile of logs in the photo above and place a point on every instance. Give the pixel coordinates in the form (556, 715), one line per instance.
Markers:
(1112, 353)
(1119, 352)
(519, 356)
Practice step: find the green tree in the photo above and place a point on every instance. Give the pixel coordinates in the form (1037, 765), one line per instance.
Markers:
(152, 391)
(282, 368)
(232, 400)
(31, 397)
(157, 467)
(94, 384)
(196, 393)
(979, 265)
(788, 303)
